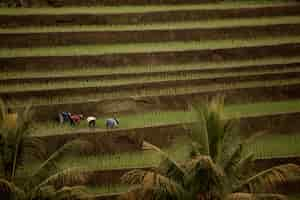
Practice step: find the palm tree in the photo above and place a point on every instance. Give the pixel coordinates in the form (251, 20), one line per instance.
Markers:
(217, 168)
(46, 182)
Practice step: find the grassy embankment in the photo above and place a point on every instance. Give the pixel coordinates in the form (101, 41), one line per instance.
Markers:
(90, 70)
(53, 84)
(139, 9)
(103, 49)
(218, 23)
(172, 117)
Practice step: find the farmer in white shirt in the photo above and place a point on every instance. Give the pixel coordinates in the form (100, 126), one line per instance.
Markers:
(91, 121)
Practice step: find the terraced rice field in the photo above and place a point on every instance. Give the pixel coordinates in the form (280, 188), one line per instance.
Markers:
(147, 64)
(220, 23)
(175, 117)
(262, 147)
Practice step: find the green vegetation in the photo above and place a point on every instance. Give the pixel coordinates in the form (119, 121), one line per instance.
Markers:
(261, 147)
(77, 50)
(179, 151)
(54, 84)
(134, 9)
(45, 181)
(216, 158)
(278, 145)
(101, 70)
(174, 117)
(263, 108)
(179, 90)
(294, 197)
(217, 168)
(107, 189)
(219, 23)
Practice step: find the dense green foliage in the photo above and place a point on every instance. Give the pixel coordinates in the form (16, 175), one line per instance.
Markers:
(216, 169)
(46, 182)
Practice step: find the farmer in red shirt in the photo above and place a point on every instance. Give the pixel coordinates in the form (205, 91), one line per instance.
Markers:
(75, 119)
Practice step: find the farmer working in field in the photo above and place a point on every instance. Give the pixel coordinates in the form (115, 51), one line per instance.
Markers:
(75, 119)
(91, 121)
(68, 117)
(112, 123)
(64, 117)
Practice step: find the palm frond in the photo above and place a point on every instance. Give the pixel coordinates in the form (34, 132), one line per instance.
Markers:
(172, 170)
(35, 148)
(6, 186)
(65, 193)
(238, 170)
(251, 196)
(204, 176)
(24, 118)
(210, 128)
(74, 145)
(272, 179)
(135, 193)
(233, 155)
(20, 134)
(11, 150)
(230, 144)
(245, 165)
(3, 111)
(134, 177)
(67, 177)
(72, 193)
(155, 185)
(168, 166)
(45, 192)
(255, 136)
(10, 191)
(199, 132)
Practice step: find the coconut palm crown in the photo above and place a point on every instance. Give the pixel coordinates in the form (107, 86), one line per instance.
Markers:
(218, 167)
(46, 181)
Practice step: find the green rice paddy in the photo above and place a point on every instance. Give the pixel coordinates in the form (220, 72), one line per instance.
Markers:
(262, 147)
(294, 196)
(85, 82)
(107, 189)
(279, 145)
(101, 70)
(137, 93)
(81, 50)
(124, 188)
(178, 152)
(286, 145)
(175, 117)
(148, 158)
(135, 9)
(219, 23)
(265, 146)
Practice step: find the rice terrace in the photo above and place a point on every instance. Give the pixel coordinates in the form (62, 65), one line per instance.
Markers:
(150, 99)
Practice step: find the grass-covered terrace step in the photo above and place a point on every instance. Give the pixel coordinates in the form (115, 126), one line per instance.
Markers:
(122, 49)
(162, 33)
(106, 169)
(250, 111)
(61, 3)
(146, 89)
(199, 24)
(142, 14)
(79, 81)
(90, 71)
(167, 53)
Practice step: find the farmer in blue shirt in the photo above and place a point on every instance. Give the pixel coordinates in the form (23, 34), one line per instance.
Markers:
(112, 123)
